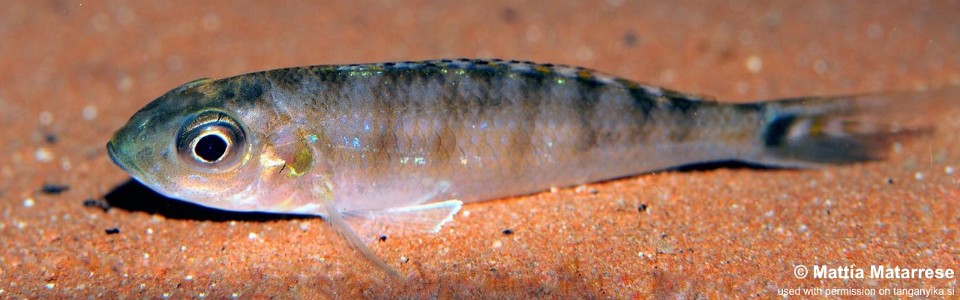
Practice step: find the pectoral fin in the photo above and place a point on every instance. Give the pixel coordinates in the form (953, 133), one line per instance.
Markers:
(350, 236)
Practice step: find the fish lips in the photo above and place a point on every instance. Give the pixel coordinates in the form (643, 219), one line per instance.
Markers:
(122, 160)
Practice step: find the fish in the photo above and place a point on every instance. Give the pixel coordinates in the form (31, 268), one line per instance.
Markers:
(401, 146)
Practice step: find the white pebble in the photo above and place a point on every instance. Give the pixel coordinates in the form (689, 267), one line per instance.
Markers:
(754, 64)
(188, 278)
(497, 244)
(949, 170)
(918, 175)
(46, 118)
(28, 203)
(89, 112)
(404, 259)
(149, 230)
(50, 286)
(43, 154)
(183, 248)
(252, 236)
(124, 83)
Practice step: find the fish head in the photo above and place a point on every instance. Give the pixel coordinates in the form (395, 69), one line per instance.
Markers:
(191, 144)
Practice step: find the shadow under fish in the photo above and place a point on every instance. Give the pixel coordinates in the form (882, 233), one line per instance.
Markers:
(132, 195)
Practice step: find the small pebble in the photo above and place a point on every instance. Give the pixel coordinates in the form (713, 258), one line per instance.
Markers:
(50, 286)
(252, 236)
(89, 112)
(918, 175)
(754, 64)
(497, 244)
(104, 205)
(46, 118)
(53, 188)
(404, 259)
(28, 203)
(43, 154)
(948, 170)
(188, 278)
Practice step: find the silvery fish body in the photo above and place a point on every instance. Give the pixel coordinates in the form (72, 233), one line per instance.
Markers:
(372, 146)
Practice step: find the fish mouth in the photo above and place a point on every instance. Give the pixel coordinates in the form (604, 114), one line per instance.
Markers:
(122, 161)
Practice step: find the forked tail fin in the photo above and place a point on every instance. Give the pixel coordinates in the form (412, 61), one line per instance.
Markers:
(808, 132)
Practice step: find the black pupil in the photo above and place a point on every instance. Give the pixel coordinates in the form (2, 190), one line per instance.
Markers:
(210, 148)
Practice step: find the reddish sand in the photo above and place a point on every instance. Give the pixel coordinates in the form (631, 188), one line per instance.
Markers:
(71, 73)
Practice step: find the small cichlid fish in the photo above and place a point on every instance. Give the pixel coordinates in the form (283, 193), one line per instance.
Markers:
(391, 147)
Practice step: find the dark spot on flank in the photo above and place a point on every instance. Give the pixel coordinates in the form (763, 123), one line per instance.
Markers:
(383, 238)
(114, 230)
(50, 138)
(228, 95)
(514, 61)
(507, 231)
(682, 105)
(750, 107)
(548, 65)
(630, 39)
(250, 91)
(643, 102)
(889, 180)
(446, 60)
(389, 64)
(776, 131)
(590, 83)
(53, 188)
(642, 208)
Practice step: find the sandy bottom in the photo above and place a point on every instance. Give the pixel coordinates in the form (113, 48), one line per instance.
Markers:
(72, 72)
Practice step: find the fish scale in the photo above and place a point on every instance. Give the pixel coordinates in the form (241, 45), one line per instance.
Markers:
(528, 130)
(398, 147)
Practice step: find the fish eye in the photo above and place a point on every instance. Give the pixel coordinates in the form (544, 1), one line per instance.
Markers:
(210, 147)
(212, 140)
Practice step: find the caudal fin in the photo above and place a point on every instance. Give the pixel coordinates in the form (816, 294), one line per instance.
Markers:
(809, 132)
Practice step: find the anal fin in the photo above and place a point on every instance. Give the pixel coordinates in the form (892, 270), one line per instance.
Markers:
(428, 218)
